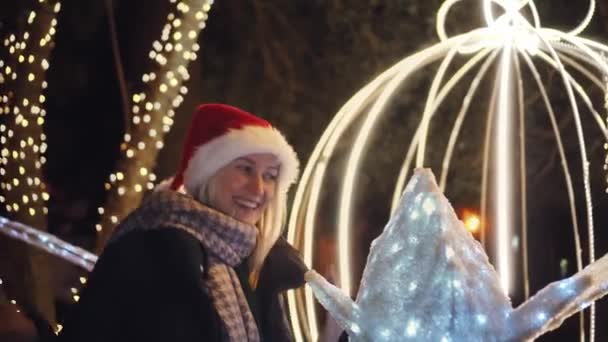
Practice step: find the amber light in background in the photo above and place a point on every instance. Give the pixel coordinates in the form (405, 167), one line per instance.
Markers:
(471, 220)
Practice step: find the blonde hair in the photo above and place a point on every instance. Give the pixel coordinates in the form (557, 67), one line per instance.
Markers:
(270, 226)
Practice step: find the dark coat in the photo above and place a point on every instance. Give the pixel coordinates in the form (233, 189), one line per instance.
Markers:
(146, 287)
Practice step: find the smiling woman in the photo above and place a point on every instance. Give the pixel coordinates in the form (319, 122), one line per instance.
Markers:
(244, 187)
(203, 259)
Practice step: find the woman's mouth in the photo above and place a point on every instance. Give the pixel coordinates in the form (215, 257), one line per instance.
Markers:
(247, 204)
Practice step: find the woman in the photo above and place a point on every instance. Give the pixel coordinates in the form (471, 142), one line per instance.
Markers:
(203, 260)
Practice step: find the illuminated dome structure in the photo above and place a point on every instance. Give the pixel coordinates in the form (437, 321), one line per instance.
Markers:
(513, 45)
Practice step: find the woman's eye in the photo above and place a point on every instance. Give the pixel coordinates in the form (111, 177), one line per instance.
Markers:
(245, 168)
(270, 176)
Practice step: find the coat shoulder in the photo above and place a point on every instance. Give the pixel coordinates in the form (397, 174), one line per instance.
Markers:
(145, 286)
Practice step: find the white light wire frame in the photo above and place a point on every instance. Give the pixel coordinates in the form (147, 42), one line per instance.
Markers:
(529, 41)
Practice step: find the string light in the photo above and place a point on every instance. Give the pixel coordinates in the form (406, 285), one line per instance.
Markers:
(152, 110)
(22, 116)
(21, 135)
(12, 301)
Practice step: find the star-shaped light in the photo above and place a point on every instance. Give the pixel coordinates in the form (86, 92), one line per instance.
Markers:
(428, 279)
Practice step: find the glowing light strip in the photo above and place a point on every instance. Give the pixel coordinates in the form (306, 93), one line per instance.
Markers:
(584, 161)
(583, 25)
(308, 241)
(414, 146)
(522, 176)
(504, 163)
(48, 243)
(606, 110)
(491, 116)
(566, 170)
(601, 65)
(460, 119)
(441, 18)
(579, 67)
(430, 103)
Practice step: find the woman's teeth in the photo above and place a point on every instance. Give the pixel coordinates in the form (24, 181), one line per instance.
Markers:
(247, 204)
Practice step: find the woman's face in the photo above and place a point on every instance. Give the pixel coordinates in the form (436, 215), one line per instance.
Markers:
(244, 187)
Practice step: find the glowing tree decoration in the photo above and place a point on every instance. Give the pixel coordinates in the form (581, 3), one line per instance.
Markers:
(512, 43)
(22, 140)
(152, 112)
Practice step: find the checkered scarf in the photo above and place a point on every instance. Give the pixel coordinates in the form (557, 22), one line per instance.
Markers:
(226, 241)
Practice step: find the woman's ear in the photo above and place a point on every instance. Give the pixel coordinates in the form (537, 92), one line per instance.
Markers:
(204, 194)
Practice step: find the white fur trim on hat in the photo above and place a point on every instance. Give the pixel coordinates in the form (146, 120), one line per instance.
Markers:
(218, 152)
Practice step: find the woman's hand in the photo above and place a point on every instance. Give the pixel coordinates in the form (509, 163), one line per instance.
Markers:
(284, 268)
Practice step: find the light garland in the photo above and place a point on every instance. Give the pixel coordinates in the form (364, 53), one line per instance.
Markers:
(23, 115)
(22, 140)
(527, 40)
(152, 112)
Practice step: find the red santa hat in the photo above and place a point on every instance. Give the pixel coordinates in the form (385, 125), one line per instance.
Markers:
(219, 134)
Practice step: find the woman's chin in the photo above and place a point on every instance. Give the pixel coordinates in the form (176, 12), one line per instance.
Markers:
(248, 216)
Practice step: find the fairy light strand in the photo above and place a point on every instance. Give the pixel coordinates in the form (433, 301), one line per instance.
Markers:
(153, 111)
(23, 144)
(22, 114)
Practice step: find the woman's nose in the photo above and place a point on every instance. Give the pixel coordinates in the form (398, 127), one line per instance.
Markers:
(256, 185)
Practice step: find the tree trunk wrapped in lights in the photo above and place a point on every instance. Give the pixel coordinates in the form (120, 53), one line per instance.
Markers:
(22, 191)
(152, 111)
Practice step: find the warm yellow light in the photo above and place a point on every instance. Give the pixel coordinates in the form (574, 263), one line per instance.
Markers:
(31, 17)
(472, 221)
